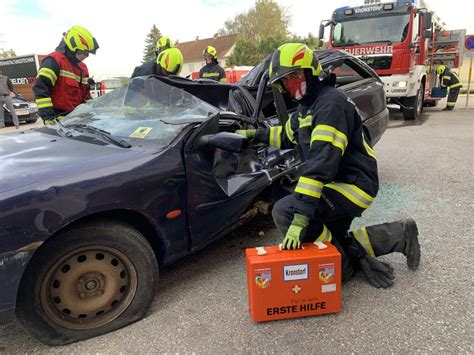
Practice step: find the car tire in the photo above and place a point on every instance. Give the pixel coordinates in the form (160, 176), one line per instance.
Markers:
(87, 281)
(416, 102)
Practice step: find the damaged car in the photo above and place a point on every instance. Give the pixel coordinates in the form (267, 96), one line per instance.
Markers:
(92, 207)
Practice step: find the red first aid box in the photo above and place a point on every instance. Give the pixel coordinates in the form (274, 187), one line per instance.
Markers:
(293, 283)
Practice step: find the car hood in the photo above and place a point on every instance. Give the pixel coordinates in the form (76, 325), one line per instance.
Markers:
(37, 156)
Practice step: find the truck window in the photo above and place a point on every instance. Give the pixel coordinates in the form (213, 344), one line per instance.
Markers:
(382, 29)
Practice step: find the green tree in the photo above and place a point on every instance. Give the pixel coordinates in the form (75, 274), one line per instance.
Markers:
(7, 53)
(266, 19)
(150, 44)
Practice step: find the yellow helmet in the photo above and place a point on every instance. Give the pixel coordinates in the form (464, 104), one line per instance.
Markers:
(440, 69)
(290, 57)
(210, 50)
(163, 43)
(171, 61)
(79, 38)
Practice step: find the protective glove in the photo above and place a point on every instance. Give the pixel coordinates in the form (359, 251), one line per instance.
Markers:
(378, 273)
(294, 236)
(249, 133)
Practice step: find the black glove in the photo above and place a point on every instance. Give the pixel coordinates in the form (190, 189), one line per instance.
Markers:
(378, 273)
(46, 113)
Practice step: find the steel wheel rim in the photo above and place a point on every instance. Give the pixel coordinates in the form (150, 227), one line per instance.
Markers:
(88, 287)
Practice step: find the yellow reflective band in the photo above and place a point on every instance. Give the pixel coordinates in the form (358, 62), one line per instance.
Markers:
(208, 75)
(455, 85)
(275, 136)
(306, 122)
(363, 238)
(329, 134)
(352, 193)
(223, 80)
(70, 75)
(447, 77)
(368, 148)
(450, 103)
(48, 122)
(289, 132)
(48, 73)
(325, 235)
(44, 102)
(310, 187)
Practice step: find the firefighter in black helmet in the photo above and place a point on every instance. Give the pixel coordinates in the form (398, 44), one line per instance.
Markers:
(150, 68)
(212, 70)
(340, 178)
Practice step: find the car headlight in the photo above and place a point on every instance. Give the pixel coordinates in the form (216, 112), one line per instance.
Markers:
(400, 84)
(33, 105)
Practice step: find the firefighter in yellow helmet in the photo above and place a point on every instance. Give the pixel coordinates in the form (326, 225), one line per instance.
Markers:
(212, 70)
(62, 80)
(339, 179)
(149, 68)
(450, 80)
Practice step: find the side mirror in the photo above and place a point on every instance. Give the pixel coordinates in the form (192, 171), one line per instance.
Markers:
(321, 35)
(427, 18)
(227, 141)
(427, 34)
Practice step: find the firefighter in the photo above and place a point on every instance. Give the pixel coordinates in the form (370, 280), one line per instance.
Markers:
(340, 178)
(212, 70)
(149, 68)
(450, 80)
(168, 62)
(62, 80)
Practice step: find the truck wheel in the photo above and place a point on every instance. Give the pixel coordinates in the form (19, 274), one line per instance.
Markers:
(416, 102)
(88, 281)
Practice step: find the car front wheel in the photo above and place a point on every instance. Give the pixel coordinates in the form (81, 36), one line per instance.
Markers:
(88, 281)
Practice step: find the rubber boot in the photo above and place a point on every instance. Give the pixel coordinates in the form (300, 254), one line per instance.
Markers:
(448, 108)
(400, 236)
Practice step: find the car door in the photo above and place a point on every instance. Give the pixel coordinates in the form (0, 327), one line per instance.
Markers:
(221, 184)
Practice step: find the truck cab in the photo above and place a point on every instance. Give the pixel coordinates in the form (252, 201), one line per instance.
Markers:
(392, 38)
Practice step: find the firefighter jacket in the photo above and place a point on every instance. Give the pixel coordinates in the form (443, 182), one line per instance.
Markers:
(147, 68)
(62, 81)
(449, 79)
(213, 71)
(337, 155)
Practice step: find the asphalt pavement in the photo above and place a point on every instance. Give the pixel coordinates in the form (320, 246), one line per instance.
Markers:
(426, 172)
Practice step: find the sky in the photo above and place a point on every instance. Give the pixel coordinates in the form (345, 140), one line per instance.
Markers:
(120, 27)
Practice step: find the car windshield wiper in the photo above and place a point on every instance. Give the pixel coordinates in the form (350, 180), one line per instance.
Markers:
(104, 134)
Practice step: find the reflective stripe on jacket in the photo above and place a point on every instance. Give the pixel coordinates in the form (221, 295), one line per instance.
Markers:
(69, 87)
(337, 154)
(450, 79)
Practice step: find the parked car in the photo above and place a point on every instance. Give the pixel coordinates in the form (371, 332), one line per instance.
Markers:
(25, 110)
(92, 207)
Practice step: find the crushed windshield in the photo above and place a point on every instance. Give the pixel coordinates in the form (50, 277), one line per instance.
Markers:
(386, 29)
(146, 108)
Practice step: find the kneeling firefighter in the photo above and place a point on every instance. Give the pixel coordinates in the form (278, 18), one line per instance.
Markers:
(340, 178)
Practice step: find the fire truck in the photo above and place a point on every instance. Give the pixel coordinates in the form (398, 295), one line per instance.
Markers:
(399, 40)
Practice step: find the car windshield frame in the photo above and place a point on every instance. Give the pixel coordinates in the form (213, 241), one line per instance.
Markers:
(146, 109)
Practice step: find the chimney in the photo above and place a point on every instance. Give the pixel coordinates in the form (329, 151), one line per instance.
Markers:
(216, 35)
(197, 38)
(176, 42)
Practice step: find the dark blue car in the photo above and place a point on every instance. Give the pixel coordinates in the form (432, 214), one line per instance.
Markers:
(92, 207)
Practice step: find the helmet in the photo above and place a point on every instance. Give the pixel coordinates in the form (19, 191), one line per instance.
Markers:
(170, 60)
(440, 70)
(211, 51)
(78, 38)
(290, 57)
(163, 43)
